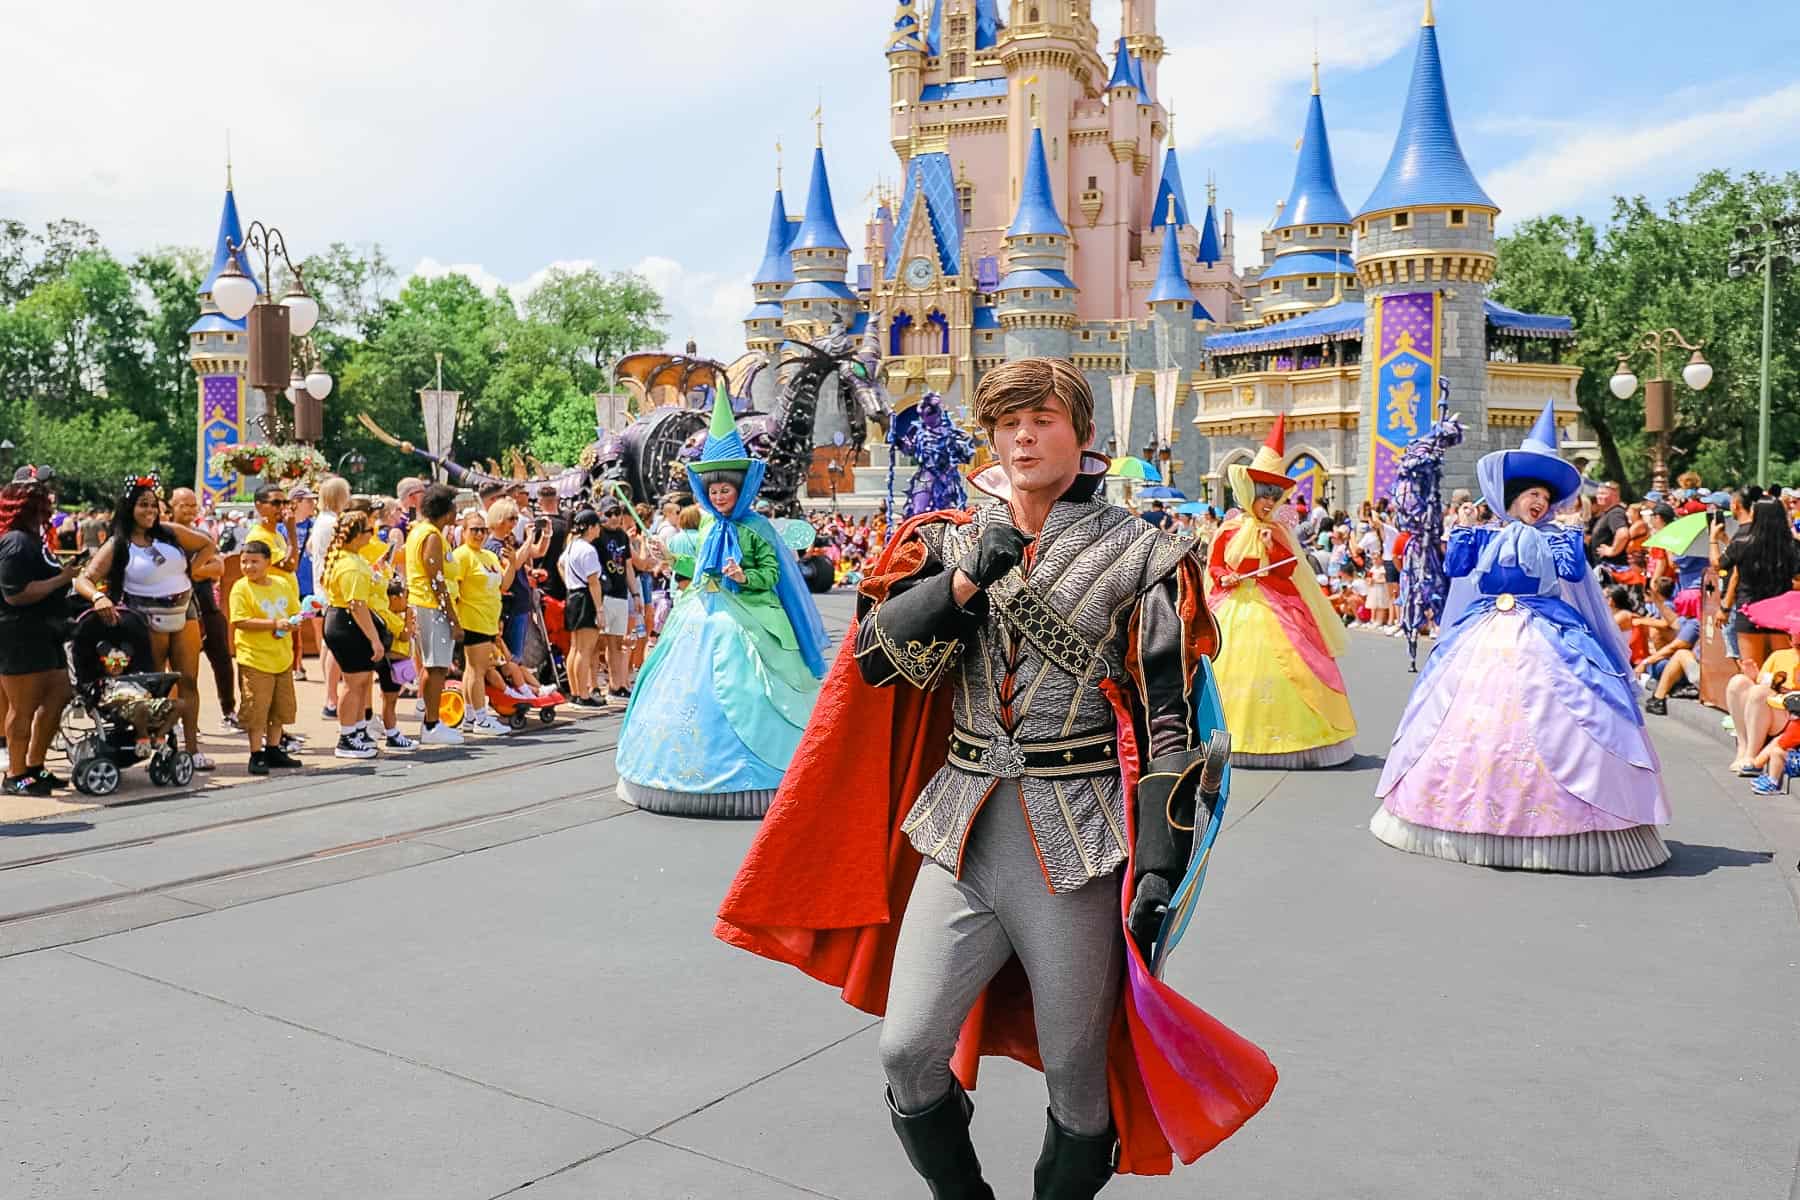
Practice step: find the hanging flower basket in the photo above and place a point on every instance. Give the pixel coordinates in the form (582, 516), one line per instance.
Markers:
(289, 463)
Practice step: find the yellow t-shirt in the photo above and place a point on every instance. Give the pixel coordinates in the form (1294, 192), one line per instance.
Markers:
(1782, 662)
(401, 647)
(351, 578)
(478, 581)
(418, 590)
(278, 549)
(274, 599)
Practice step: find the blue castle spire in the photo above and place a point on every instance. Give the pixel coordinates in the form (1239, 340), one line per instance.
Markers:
(1210, 249)
(906, 29)
(1170, 186)
(1138, 77)
(1121, 75)
(777, 266)
(1427, 168)
(232, 231)
(1315, 199)
(987, 26)
(1171, 281)
(819, 230)
(1037, 203)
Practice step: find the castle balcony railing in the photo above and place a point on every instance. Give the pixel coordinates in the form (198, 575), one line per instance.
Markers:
(1516, 393)
(1326, 397)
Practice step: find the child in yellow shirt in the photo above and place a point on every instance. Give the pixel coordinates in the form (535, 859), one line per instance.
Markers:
(264, 611)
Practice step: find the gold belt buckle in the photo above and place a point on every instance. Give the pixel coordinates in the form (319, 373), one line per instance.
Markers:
(1505, 602)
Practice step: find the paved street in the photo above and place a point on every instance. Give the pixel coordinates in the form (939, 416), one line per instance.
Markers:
(463, 976)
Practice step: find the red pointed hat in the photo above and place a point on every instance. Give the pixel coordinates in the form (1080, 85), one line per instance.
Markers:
(1266, 466)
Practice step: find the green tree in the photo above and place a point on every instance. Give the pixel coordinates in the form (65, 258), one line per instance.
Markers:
(1651, 268)
(170, 279)
(600, 317)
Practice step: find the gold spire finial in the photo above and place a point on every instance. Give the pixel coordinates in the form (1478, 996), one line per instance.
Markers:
(228, 160)
(778, 164)
(1171, 124)
(1315, 71)
(1170, 219)
(1430, 17)
(1212, 189)
(819, 120)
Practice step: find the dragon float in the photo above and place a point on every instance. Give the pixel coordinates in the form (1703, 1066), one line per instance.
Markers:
(647, 458)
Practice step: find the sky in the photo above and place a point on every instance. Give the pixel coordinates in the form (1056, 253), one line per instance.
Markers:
(500, 138)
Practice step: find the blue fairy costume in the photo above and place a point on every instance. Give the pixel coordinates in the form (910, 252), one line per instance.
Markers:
(1522, 745)
(721, 702)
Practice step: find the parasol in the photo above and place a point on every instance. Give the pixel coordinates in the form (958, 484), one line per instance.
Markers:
(1682, 536)
(1132, 467)
(1194, 508)
(1777, 612)
(1161, 492)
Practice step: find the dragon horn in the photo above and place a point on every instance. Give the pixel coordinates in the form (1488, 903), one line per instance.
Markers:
(377, 432)
(871, 340)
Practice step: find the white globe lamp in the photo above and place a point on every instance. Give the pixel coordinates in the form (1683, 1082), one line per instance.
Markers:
(233, 292)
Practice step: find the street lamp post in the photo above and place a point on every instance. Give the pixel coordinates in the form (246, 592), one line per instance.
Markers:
(272, 326)
(1771, 249)
(1659, 398)
(351, 463)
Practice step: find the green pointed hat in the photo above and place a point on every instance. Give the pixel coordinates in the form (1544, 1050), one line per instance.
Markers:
(724, 449)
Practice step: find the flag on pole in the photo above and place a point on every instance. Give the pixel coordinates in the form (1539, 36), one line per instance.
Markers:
(1122, 388)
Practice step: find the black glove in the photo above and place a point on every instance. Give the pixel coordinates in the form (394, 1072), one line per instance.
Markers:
(1149, 906)
(1001, 548)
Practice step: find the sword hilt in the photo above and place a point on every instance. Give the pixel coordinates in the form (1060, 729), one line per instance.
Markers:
(1212, 770)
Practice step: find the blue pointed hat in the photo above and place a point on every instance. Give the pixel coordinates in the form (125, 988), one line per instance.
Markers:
(724, 449)
(1536, 459)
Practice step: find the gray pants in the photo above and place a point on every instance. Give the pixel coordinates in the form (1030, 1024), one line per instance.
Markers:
(956, 936)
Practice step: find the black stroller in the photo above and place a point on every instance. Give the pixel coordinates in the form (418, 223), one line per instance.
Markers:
(127, 713)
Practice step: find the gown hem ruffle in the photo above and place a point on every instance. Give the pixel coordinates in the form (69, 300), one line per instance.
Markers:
(1596, 852)
(745, 805)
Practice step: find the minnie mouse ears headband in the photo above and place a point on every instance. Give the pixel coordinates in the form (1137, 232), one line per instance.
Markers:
(150, 480)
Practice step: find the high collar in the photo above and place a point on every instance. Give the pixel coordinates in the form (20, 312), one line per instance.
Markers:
(991, 480)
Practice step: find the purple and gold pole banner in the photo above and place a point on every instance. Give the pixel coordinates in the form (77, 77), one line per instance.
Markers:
(221, 424)
(1309, 473)
(1405, 380)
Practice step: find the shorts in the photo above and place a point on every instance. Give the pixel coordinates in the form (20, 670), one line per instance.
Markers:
(1742, 624)
(471, 638)
(349, 645)
(265, 699)
(434, 643)
(578, 612)
(1390, 571)
(33, 647)
(1690, 668)
(617, 616)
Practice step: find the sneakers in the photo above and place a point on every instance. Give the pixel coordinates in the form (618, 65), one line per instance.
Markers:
(259, 762)
(1764, 786)
(598, 702)
(372, 730)
(419, 707)
(55, 781)
(440, 735)
(26, 785)
(393, 739)
(352, 745)
(290, 743)
(281, 759)
(329, 712)
(519, 693)
(483, 723)
(230, 727)
(1657, 706)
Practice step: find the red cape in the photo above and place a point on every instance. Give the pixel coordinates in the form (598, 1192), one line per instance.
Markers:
(827, 879)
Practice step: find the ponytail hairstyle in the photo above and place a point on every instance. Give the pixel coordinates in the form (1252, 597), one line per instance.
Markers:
(350, 526)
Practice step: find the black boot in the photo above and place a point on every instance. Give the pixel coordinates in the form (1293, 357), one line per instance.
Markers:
(937, 1144)
(1072, 1167)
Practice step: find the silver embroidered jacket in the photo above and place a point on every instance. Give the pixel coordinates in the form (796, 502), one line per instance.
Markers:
(1098, 599)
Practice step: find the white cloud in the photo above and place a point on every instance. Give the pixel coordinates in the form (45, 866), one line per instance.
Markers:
(480, 276)
(1601, 160)
(1232, 70)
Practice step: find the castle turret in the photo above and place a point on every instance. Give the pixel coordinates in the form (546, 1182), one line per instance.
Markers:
(820, 258)
(1035, 300)
(1313, 265)
(1170, 190)
(762, 328)
(1425, 253)
(906, 75)
(1170, 294)
(220, 353)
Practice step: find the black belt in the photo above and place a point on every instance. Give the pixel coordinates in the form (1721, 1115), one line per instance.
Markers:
(1004, 758)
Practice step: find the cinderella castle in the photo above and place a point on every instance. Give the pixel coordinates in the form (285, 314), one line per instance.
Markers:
(1043, 212)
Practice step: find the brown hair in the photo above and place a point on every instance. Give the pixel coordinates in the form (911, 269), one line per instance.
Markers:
(1028, 383)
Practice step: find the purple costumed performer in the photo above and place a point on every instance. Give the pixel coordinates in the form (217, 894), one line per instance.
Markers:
(1522, 745)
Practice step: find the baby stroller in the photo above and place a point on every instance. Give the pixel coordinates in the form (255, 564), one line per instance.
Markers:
(125, 712)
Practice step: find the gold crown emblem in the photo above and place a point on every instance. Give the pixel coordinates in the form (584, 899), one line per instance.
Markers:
(1405, 370)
